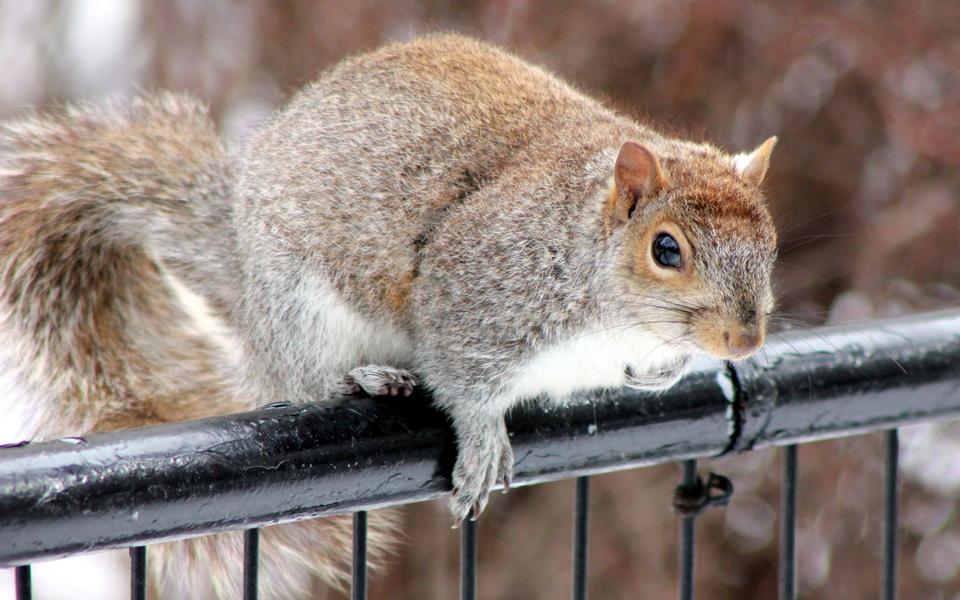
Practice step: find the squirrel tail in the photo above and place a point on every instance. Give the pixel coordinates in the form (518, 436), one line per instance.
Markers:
(116, 270)
(105, 215)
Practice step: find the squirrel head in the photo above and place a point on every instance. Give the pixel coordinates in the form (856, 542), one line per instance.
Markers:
(694, 246)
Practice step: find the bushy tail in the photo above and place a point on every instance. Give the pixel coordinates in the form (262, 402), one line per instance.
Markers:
(98, 207)
(116, 269)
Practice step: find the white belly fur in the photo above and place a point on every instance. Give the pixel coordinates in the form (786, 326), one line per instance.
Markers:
(594, 359)
(347, 338)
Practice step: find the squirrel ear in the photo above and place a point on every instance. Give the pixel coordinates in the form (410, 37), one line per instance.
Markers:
(753, 166)
(637, 176)
(638, 170)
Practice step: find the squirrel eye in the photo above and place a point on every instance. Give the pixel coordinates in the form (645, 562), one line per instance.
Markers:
(666, 251)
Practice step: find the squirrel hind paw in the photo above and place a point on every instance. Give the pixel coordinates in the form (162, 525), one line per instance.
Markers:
(377, 380)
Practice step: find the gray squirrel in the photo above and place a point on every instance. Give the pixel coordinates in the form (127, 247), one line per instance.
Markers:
(435, 213)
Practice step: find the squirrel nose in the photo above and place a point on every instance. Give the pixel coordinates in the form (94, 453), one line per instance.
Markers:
(743, 343)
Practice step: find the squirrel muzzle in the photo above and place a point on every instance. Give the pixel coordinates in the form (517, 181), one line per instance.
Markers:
(729, 339)
(741, 342)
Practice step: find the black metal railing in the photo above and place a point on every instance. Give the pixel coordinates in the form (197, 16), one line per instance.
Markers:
(286, 462)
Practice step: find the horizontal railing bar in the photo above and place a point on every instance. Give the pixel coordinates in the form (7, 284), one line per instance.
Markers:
(284, 463)
(839, 381)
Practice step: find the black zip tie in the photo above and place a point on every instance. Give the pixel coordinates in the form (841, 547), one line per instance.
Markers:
(690, 500)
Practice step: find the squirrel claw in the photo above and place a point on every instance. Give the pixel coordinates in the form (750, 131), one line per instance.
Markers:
(378, 380)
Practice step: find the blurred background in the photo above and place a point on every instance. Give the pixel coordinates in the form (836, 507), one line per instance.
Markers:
(864, 185)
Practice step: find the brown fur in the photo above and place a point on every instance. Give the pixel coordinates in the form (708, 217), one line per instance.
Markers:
(397, 294)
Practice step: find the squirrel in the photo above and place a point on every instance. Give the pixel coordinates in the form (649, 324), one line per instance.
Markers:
(436, 213)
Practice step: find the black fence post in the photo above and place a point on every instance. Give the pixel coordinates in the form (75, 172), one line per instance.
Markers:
(138, 573)
(891, 509)
(359, 579)
(23, 582)
(788, 524)
(468, 558)
(687, 540)
(251, 563)
(580, 538)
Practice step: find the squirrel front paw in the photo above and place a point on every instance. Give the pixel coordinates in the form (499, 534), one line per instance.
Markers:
(662, 377)
(377, 380)
(484, 457)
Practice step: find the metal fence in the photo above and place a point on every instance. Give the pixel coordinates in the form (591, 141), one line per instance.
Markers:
(286, 462)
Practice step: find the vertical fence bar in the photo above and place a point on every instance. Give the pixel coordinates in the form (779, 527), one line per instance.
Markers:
(23, 582)
(580, 520)
(359, 582)
(788, 525)
(891, 466)
(468, 559)
(138, 573)
(251, 562)
(687, 537)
